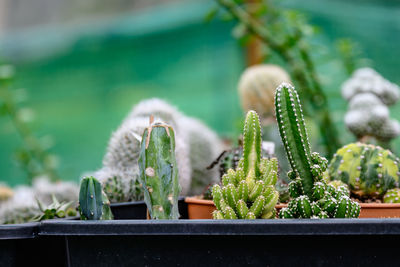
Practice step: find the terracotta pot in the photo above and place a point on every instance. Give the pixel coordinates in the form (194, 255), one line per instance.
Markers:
(372, 210)
(202, 209)
(199, 208)
(380, 210)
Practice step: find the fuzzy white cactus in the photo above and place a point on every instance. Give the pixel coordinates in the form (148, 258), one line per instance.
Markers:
(120, 167)
(369, 96)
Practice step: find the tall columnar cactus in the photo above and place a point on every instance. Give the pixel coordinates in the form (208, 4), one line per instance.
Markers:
(93, 202)
(311, 196)
(248, 192)
(159, 172)
(368, 170)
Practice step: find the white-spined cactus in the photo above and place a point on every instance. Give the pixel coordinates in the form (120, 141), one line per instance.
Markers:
(257, 87)
(369, 96)
(120, 168)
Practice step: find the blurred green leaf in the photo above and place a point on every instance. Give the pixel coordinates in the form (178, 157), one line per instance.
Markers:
(211, 14)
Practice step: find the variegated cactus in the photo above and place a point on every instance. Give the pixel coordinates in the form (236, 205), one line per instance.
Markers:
(248, 192)
(311, 196)
(369, 170)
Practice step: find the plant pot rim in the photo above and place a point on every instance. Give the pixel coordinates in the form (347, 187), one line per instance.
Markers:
(19, 231)
(282, 227)
(196, 200)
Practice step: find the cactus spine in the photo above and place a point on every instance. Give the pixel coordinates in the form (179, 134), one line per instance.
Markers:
(368, 170)
(248, 192)
(93, 202)
(311, 196)
(159, 172)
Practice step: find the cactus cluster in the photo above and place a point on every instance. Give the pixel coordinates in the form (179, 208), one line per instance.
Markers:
(248, 192)
(257, 86)
(311, 196)
(369, 170)
(159, 171)
(195, 145)
(370, 96)
(93, 202)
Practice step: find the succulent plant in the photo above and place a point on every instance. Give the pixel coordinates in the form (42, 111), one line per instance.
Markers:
(55, 210)
(248, 192)
(5, 192)
(195, 145)
(369, 170)
(159, 171)
(257, 86)
(228, 159)
(93, 202)
(369, 96)
(392, 196)
(311, 196)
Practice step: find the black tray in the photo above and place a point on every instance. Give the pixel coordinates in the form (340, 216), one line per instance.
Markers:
(329, 242)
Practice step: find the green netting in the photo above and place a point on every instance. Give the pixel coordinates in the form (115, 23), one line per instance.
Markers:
(83, 80)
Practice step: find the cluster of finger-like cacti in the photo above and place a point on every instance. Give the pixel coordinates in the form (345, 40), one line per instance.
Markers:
(93, 202)
(159, 171)
(369, 170)
(248, 192)
(311, 196)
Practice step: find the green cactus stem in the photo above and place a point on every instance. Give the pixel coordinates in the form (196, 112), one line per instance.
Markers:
(159, 172)
(369, 170)
(392, 196)
(249, 191)
(93, 202)
(311, 196)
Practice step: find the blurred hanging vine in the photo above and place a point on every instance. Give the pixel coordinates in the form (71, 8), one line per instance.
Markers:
(33, 157)
(283, 33)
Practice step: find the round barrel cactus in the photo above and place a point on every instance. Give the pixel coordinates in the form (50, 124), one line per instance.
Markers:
(392, 196)
(369, 170)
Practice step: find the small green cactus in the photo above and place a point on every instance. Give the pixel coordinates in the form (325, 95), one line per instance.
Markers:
(93, 202)
(369, 170)
(248, 192)
(159, 172)
(311, 196)
(392, 196)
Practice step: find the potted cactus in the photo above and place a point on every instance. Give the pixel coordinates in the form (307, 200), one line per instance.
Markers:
(311, 196)
(372, 174)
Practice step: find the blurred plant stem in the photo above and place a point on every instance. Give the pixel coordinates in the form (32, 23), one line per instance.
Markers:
(33, 156)
(294, 51)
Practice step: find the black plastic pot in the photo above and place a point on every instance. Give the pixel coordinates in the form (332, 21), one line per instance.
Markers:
(330, 242)
(14, 240)
(137, 210)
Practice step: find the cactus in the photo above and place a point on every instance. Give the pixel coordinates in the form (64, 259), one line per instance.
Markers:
(392, 196)
(257, 86)
(311, 196)
(159, 171)
(248, 192)
(55, 210)
(370, 96)
(93, 202)
(369, 170)
(195, 145)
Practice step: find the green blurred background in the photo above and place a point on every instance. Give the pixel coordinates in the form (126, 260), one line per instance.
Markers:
(82, 78)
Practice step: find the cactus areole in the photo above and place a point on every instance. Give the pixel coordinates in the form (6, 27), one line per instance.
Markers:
(158, 171)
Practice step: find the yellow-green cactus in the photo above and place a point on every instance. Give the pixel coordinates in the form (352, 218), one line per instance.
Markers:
(249, 191)
(392, 196)
(368, 170)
